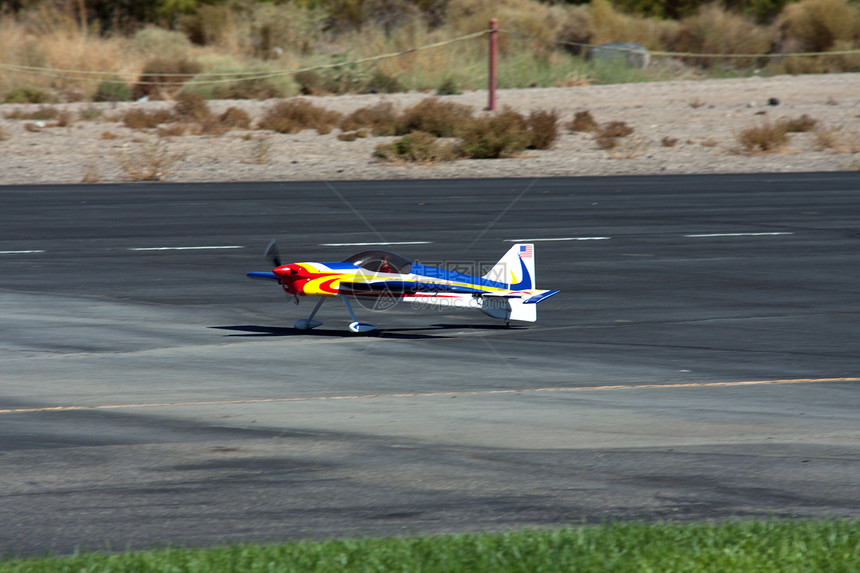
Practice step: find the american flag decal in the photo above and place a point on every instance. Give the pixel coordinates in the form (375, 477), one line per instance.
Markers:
(526, 251)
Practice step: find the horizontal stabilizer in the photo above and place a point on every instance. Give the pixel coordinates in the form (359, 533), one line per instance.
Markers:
(540, 296)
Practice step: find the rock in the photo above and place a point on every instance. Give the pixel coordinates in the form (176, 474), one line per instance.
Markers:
(634, 55)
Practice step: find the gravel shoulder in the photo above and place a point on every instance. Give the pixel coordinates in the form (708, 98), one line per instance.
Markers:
(703, 116)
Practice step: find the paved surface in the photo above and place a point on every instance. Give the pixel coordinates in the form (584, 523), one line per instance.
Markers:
(158, 396)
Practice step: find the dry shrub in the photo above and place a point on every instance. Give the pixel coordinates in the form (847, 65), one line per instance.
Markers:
(162, 77)
(260, 151)
(172, 130)
(151, 162)
(611, 25)
(627, 148)
(669, 141)
(191, 106)
(441, 118)
(800, 124)
(543, 127)
(91, 174)
(503, 134)
(107, 135)
(416, 147)
(816, 25)
(765, 137)
(43, 112)
(582, 121)
(381, 119)
(607, 135)
(714, 30)
(696, 103)
(536, 19)
(3, 135)
(143, 119)
(235, 118)
(294, 115)
(837, 140)
(352, 135)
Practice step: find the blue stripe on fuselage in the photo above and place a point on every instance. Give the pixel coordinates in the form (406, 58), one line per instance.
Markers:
(447, 275)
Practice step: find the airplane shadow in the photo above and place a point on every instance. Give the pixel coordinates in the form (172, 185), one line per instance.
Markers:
(407, 333)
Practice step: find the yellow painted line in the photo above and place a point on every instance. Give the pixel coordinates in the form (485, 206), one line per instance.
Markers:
(427, 395)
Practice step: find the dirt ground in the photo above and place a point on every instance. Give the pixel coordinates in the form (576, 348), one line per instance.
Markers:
(680, 127)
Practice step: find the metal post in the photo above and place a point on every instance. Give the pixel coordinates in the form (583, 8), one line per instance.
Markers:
(494, 49)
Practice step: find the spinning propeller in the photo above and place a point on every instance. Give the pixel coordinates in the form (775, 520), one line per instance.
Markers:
(273, 254)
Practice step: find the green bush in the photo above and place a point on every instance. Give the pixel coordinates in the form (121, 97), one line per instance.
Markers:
(27, 94)
(113, 90)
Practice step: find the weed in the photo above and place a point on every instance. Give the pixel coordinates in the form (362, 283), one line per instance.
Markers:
(43, 113)
(615, 129)
(235, 118)
(191, 106)
(502, 134)
(162, 77)
(294, 115)
(108, 135)
(142, 119)
(669, 141)
(416, 147)
(260, 151)
(380, 118)
(90, 113)
(380, 82)
(448, 87)
(582, 121)
(27, 94)
(696, 103)
(91, 174)
(172, 130)
(352, 135)
(151, 162)
(800, 124)
(765, 137)
(543, 127)
(112, 89)
(837, 140)
(441, 118)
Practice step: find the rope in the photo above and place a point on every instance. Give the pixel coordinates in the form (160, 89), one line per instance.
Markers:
(234, 76)
(683, 54)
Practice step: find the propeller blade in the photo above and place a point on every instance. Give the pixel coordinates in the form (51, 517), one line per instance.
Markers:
(273, 254)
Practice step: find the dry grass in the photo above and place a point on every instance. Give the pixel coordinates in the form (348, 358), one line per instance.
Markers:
(764, 137)
(502, 134)
(416, 147)
(582, 121)
(432, 115)
(150, 162)
(260, 150)
(293, 116)
(669, 141)
(91, 174)
(543, 127)
(800, 124)
(381, 119)
(609, 134)
(837, 139)
(143, 119)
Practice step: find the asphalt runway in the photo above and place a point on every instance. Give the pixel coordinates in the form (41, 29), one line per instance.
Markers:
(702, 360)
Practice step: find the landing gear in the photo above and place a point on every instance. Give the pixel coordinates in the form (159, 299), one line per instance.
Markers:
(355, 326)
(309, 322)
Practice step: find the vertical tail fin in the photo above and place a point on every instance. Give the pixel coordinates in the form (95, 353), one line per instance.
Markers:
(516, 268)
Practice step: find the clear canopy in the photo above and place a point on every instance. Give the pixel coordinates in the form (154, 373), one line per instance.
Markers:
(381, 262)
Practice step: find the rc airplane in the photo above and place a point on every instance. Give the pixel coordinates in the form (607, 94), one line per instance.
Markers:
(506, 292)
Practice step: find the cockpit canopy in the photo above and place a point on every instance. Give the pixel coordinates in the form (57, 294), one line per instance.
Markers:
(376, 261)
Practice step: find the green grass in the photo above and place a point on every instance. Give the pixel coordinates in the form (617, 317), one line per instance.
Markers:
(776, 545)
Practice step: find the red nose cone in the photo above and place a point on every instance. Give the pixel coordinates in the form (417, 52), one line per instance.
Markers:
(286, 271)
